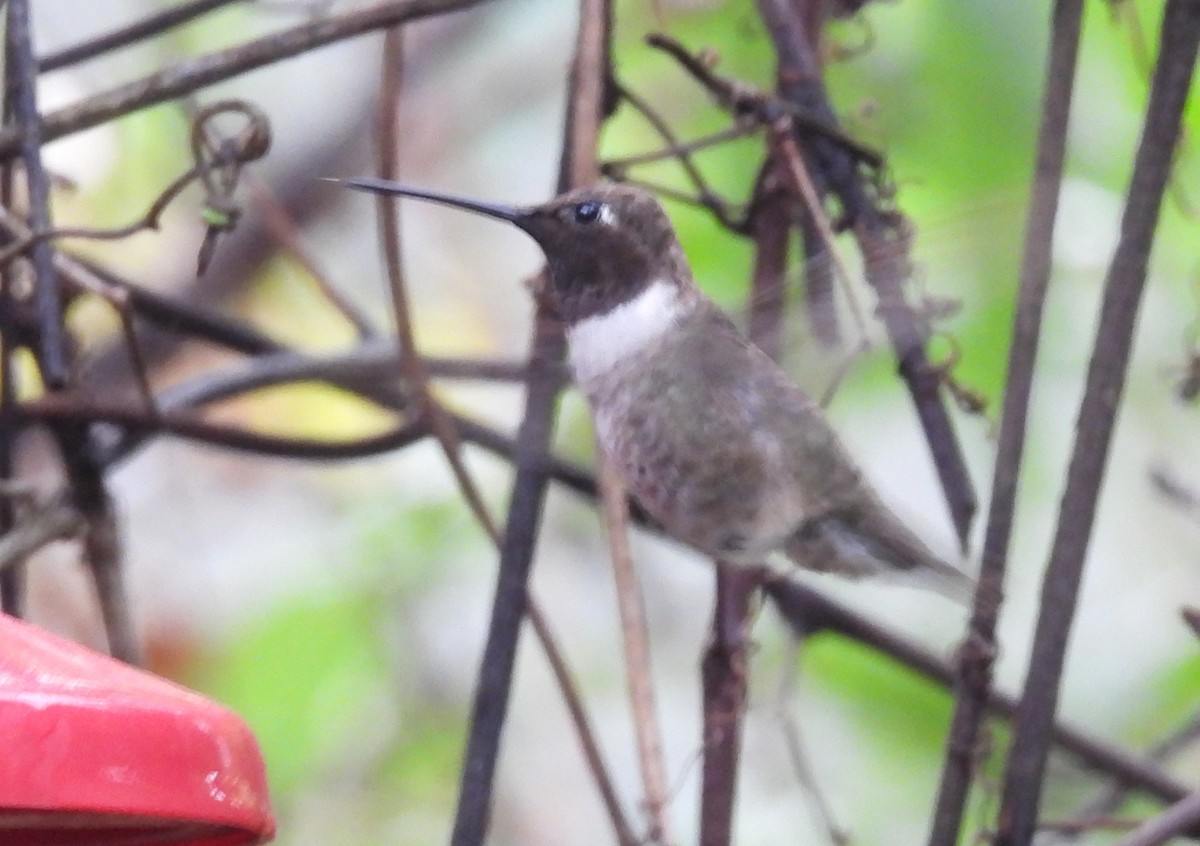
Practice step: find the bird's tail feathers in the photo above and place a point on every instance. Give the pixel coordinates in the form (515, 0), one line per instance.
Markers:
(878, 547)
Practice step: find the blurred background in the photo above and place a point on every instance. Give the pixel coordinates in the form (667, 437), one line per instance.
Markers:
(341, 608)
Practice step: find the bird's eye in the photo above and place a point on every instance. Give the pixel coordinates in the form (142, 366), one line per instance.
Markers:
(588, 211)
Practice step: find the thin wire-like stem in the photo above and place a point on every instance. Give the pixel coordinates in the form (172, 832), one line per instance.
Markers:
(802, 182)
(636, 642)
(801, 766)
(284, 230)
(412, 365)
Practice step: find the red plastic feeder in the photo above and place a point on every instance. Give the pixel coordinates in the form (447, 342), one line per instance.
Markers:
(95, 752)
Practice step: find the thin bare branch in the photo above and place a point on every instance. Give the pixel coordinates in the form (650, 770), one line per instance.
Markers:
(192, 74)
(284, 230)
(27, 137)
(770, 224)
(51, 521)
(802, 182)
(1097, 415)
(742, 99)
(587, 100)
(147, 27)
(809, 612)
(636, 641)
(63, 409)
(724, 677)
(413, 366)
(979, 648)
(1180, 818)
(784, 710)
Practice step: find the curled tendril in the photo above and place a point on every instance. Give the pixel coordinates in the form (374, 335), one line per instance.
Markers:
(219, 158)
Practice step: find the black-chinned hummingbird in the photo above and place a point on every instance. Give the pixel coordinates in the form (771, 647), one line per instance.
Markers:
(708, 433)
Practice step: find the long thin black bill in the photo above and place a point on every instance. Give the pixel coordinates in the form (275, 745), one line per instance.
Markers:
(383, 186)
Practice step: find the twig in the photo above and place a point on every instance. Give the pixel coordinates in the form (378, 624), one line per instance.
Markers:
(881, 237)
(1181, 817)
(808, 612)
(192, 74)
(147, 27)
(821, 808)
(770, 225)
(248, 145)
(284, 230)
(147, 220)
(882, 241)
(978, 650)
(585, 104)
(681, 153)
(583, 730)
(742, 99)
(12, 579)
(635, 638)
(68, 410)
(39, 526)
(724, 680)
(1168, 747)
(412, 365)
(442, 424)
(802, 184)
(1097, 414)
(102, 554)
(28, 137)
(1086, 825)
(818, 269)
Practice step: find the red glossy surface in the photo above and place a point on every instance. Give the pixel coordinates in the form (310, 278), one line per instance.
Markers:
(94, 751)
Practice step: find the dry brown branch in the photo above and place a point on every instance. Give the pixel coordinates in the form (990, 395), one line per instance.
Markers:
(636, 642)
(193, 74)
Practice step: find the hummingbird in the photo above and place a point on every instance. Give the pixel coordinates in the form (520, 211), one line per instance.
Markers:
(707, 432)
